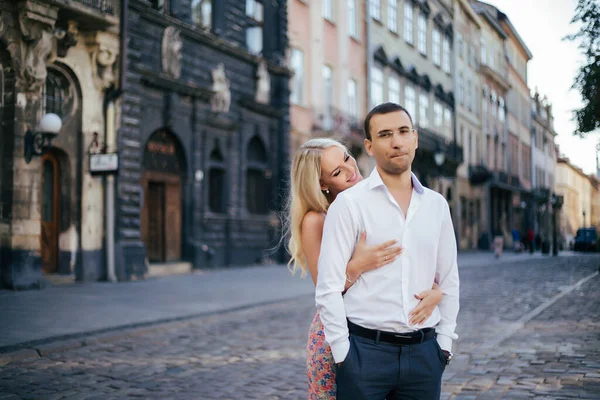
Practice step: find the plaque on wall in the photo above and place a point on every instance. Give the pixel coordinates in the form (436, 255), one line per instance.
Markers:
(104, 163)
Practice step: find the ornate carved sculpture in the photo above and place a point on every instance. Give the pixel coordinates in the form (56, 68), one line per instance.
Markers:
(263, 85)
(66, 38)
(32, 45)
(222, 97)
(104, 57)
(171, 52)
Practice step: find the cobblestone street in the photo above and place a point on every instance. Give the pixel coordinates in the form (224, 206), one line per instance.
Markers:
(527, 330)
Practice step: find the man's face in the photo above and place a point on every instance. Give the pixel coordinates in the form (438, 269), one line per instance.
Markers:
(393, 142)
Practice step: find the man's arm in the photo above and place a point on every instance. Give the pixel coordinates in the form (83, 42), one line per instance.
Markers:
(447, 270)
(339, 238)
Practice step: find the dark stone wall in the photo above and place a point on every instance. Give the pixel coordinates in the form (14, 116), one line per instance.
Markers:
(152, 101)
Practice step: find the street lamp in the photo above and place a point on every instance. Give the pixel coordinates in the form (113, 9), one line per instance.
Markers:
(38, 143)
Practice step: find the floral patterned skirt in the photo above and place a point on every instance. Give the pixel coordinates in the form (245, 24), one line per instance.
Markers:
(320, 364)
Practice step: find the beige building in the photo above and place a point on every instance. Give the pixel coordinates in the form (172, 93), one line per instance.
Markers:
(519, 126)
(493, 159)
(580, 204)
(55, 58)
(468, 29)
(328, 56)
(410, 62)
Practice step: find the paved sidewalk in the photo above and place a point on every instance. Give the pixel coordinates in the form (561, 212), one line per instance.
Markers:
(260, 352)
(70, 310)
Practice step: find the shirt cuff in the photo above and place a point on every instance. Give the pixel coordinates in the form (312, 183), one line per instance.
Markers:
(340, 350)
(445, 342)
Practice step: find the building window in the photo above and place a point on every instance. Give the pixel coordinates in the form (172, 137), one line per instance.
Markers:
(461, 89)
(438, 114)
(501, 112)
(483, 51)
(202, 13)
(257, 188)
(469, 100)
(297, 64)
(484, 102)
(422, 45)
(327, 97)
(254, 33)
(56, 94)
(493, 100)
(408, 22)
(447, 64)
(216, 181)
(394, 90)
(375, 9)
(436, 47)
(352, 25)
(376, 86)
(424, 110)
(393, 15)
(327, 9)
(410, 101)
(448, 121)
(352, 98)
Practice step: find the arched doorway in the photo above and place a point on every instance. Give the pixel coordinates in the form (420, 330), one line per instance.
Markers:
(162, 182)
(50, 212)
(60, 174)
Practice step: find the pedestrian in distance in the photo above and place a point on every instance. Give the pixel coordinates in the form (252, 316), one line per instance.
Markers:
(322, 169)
(379, 350)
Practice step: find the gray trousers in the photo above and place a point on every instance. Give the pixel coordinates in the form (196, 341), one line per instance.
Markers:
(376, 371)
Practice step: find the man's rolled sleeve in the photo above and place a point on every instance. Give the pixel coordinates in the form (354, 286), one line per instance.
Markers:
(340, 234)
(447, 268)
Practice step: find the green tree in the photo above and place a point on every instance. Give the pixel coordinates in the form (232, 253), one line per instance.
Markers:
(587, 81)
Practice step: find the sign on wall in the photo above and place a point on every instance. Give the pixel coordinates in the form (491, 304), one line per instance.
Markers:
(104, 163)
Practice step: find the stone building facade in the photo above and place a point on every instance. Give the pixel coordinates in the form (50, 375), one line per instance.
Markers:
(204, 134)
(472, 196)
(543, 158)
(410, 62)
(60, 58)
(328, 56)
(519, 126)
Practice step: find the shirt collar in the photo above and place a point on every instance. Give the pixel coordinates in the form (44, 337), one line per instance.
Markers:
(375, 181)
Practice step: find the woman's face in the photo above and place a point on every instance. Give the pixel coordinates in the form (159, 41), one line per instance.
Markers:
(338, 171)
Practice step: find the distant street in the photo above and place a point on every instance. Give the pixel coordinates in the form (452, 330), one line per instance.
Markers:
(528, 329)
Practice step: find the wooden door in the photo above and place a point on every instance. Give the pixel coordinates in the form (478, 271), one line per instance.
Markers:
(155, 221)
(50, 213)
(173, 220)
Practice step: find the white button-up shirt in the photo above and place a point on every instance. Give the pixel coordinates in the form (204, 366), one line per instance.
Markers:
(382, 298)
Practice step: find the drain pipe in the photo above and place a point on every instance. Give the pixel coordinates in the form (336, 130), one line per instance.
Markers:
(112, 96)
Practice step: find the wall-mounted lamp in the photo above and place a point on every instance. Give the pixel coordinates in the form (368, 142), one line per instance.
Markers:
(38, 143)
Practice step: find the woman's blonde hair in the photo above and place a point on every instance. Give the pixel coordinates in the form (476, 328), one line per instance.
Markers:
(305, 195)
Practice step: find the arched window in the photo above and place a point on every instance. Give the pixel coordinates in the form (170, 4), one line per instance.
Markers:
(56, 94)
(216, 180)
(202, 13)
(257, 187)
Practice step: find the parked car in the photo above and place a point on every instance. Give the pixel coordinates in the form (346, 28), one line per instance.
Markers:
(586, 240)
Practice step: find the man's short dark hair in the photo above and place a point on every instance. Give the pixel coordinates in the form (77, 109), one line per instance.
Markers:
(384, 108)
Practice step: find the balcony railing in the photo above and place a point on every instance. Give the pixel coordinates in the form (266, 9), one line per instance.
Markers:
(106, 6)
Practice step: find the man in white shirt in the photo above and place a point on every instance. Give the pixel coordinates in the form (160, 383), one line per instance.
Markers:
(377, 350)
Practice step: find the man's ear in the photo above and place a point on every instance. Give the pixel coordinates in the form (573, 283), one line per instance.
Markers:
(368, 145)
(416, 133)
